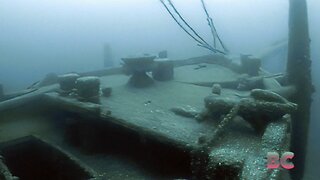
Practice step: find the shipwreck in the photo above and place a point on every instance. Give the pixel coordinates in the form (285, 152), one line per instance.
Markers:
(207, 117)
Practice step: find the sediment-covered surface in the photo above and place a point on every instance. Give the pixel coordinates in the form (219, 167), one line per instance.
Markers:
(134, 133)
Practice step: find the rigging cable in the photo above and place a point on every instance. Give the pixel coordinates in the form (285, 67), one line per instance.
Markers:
(177, 12)
(202, 43)
(213, 28)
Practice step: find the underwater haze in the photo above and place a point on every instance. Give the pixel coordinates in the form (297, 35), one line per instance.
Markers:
(38, 37)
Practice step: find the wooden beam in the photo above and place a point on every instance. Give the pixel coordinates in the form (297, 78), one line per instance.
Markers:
(26, 98)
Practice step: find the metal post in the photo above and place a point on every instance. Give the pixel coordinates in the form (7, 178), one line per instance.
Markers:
(1, 91)
(299, 74)
(107, 56)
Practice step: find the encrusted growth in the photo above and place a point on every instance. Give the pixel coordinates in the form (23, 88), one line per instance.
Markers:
(259, 109)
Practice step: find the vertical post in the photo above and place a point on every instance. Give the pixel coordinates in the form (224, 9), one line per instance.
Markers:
(299, 74)
(1, 91)
(163, 54)
(107, 56)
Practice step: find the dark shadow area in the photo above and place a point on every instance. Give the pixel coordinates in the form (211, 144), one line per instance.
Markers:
(30, 158)
(226, 172)
(101, 136)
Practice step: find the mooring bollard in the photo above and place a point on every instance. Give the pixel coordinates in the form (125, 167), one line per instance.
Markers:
(163, 71)
(106, 91)
(163, 54)
(88, 88)
(67, 81)
(138, 68)
(250, 65)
